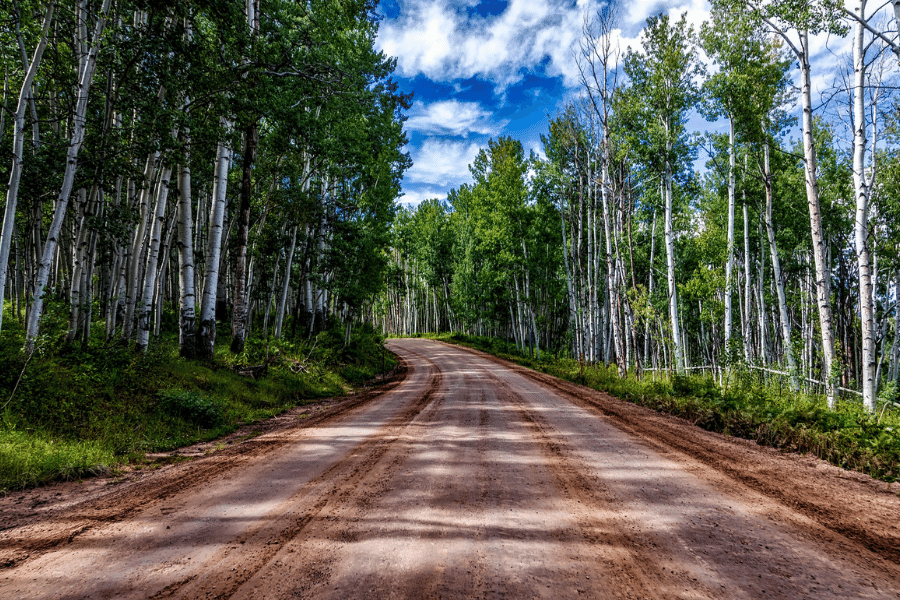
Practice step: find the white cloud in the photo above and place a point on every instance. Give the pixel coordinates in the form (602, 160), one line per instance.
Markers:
(441, 163)
(439, 40)
(415, 197)
(452, 117)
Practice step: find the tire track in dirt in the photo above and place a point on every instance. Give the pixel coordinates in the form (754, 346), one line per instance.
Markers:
(598, 512)
(325, 496)
(829, 496)
(37, 536)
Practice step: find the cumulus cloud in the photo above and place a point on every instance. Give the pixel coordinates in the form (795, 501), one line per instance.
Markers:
(452, 117)
(415, 196)
(441, 163)
(443, 42)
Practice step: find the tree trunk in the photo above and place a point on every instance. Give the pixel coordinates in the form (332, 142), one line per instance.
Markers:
(823, 276)
(286, 284)
(86, 75)
(862, 185)
(241, 296)
(145, 306)
(680, 364)
(729, 260)
(206, 332)
(776, 272)
(187, 320)
(15, 174)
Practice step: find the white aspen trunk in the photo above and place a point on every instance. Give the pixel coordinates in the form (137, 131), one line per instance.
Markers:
(35, 123)
(651, 287)
(145, 306)
(729, 260)
(78, 259)
(573, 316)
(590, 284)
(861, 186)
(206, 332)
(747, 281)
(240, 313)
(776, 273)
(85, 79)
(286, 284)
(15, 174)
(823, 277)
(761, 302)
(187, 320)
(529, 304)
(895, 348)
(611, 280)
(678, 348)
(3, 110)
(87, 286)
(136, 255)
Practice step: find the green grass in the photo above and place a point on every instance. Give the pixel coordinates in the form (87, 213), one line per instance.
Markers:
(79, 412)
(770, 414)
(28, 459)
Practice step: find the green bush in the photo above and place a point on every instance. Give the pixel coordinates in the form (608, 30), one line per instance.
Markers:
(191, 406)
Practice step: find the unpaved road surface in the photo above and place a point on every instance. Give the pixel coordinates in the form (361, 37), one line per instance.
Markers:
(468, 478)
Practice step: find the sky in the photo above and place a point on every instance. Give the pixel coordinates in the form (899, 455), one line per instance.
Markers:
(479, 70)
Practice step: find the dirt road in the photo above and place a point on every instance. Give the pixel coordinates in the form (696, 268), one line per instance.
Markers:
(469, 478)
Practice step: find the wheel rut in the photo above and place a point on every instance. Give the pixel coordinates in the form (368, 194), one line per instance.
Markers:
(321, 501)
(64, 526)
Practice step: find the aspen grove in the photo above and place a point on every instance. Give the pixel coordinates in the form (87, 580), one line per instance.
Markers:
(776, 253)
(234, 164)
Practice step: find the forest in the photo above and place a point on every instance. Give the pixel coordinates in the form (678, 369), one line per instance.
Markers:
(224, 163)
(778, 253)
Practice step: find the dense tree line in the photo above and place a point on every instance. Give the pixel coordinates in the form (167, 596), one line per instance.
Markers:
(612, 247)
(223, 161)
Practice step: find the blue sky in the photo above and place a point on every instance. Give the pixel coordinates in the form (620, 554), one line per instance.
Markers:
(479, 70)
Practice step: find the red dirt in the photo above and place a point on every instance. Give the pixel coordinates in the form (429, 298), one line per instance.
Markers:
(467, 477)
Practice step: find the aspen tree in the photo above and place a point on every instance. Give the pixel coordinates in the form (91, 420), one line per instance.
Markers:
(85, 78)
(15, 173)
(663, 89)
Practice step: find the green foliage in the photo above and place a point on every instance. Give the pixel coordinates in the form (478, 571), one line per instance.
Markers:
(191, 406)
(27, 459)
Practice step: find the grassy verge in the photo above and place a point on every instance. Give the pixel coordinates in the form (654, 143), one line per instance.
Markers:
(848, 436)
(79, 412)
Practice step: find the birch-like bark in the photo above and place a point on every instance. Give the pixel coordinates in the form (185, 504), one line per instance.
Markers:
(895, 348)
(862, 185)
(776, 272)
(611, 283)
(677, 342)
(573, 315)
(15, 174)
(239, 314)
(285, 284)
(136, 257)
(729, 260)
(78, 262)
(35, 123)
(78, 126)
(823, 276)
(206, 332)
(187, 320)
(747, 279)
(145, 306)
(651, 287)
